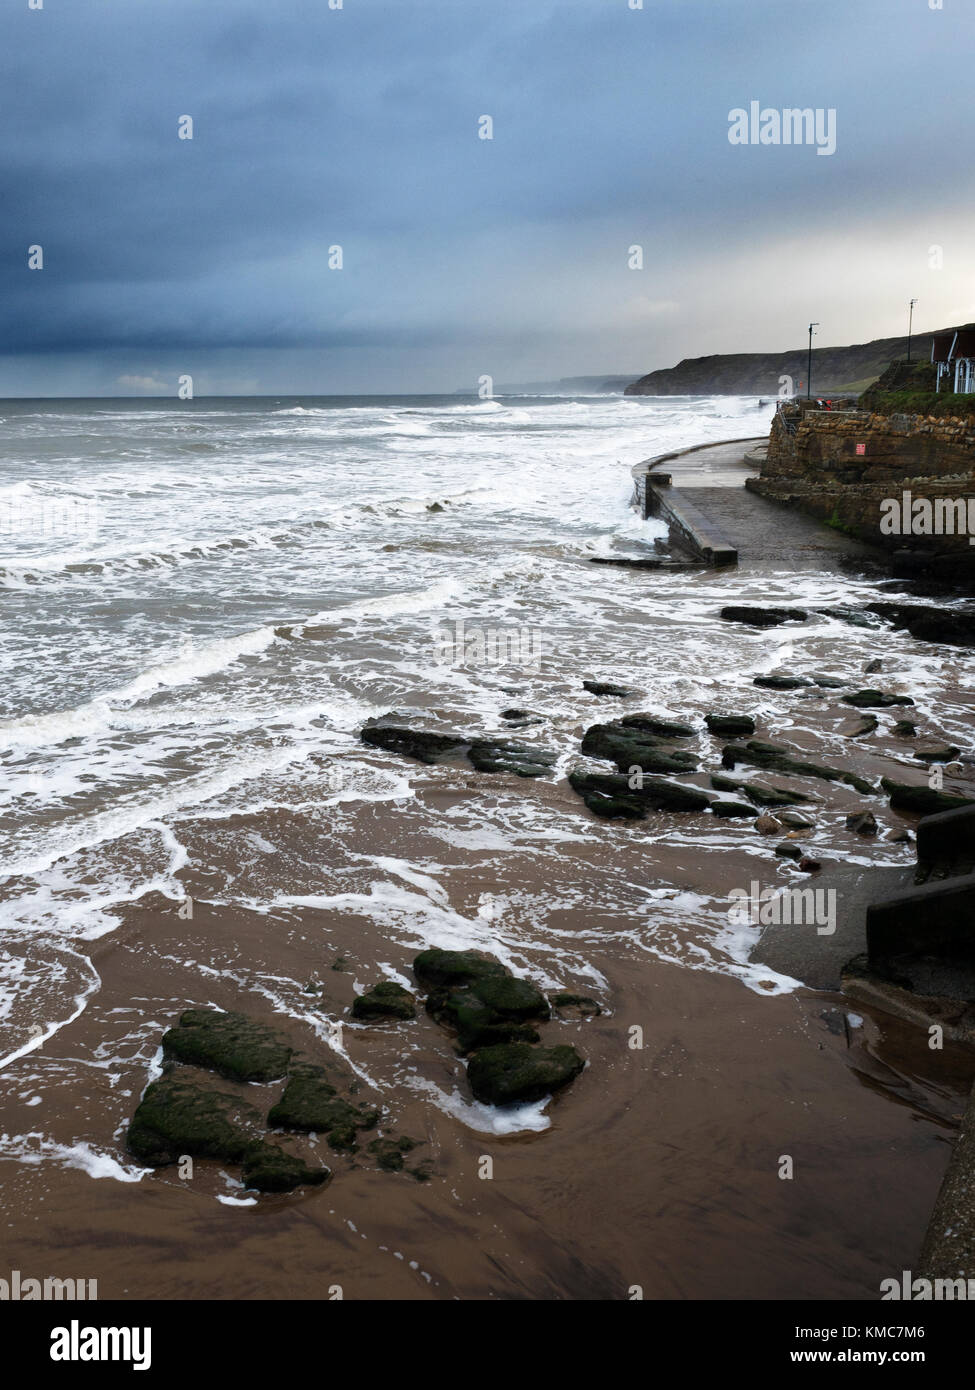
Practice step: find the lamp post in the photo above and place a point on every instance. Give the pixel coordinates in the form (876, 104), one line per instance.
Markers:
(809, 365)
(910, 325)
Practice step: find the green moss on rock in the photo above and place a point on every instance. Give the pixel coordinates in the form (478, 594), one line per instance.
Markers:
(437, 967)
(390, 1153)
(385, 1000)
(178, 1116)
(311, 1104)
(230, 1044)
(516, 1074)
(268, 1168)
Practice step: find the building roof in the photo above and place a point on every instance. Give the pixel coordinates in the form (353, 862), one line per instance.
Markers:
(946, 347)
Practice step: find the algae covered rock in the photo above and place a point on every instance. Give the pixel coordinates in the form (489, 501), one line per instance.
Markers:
(493, 755)
(630, 747)
(661, 728)
(438, 967)
(922, 800)
(311, 1104)
(390, 1154)
(268, 1168)
(516, 1074)
(178, 1116)
(412, 743)
(476, 1023)
(781, 682)
(385, 1000)
(728, 809)
(230, 1044)
(875, 699)
(493, 1009)
(730, 725)
(757, 793)
(762, 617)
(611, 795)
(607, 688)
(759, 753)
(580, 1004)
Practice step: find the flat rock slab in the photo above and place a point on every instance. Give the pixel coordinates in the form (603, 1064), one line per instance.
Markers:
(232, 1045)
(177, 1115)
(484, 754)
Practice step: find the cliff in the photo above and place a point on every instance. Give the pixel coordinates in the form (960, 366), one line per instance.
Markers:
(835, 370)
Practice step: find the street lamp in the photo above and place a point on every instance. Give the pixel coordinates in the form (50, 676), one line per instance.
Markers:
(910, 325)
(809, 366)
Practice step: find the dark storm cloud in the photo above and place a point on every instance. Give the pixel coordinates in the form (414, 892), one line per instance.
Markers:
(357, 127)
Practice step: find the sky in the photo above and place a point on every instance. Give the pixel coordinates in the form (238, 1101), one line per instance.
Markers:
(353, 132)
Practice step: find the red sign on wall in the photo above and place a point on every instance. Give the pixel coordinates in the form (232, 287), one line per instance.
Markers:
(861, 448)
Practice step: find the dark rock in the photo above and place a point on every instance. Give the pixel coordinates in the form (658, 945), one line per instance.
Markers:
(606, 688)
(929, 624)
(390, 1153)
(947, 753)
(490, 755)
(475, 1022)
(178, 1116)
(611, 796)
(809, 866)
(630, 747)
(436, 967)
(732, 808)
(758, 794)
(575, 1003)
(781, 682)
(856, 617)
(903, 837)
(795, 822)
(660, 728)
(862, 822)
(868, 725)
(830, 683)
(787, 850)
(412, 743)
(311, 1104)
(385, 1000)
(758, 753)
(730, 725)
(763, 617)
(230, 1044)
(905, 729)
(493, 1009)
(872, 667)
(922, 800)
(875, 699)
(515, 1074)
(268, 1168)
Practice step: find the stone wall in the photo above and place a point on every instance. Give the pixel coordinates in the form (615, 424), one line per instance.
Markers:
(842, 465)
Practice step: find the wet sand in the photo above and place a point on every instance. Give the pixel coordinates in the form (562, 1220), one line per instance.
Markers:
(660, 1169)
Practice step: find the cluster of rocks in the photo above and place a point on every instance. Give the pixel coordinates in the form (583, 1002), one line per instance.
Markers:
(645, 751)
(184, 1114)
(494, 1016)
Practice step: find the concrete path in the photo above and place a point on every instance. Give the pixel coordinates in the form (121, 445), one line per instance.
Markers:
(766, 535)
